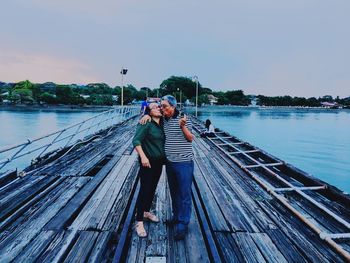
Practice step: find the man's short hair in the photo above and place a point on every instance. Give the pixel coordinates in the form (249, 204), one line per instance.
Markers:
(171, 99)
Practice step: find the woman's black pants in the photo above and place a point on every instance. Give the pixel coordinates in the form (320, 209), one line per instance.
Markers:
(149, 178)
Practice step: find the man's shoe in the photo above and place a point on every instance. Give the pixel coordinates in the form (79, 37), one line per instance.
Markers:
(180, 235)
(171, 222)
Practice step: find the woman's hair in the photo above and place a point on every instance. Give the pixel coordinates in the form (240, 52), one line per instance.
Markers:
(171, 99)
(207, 123)
(147, 109)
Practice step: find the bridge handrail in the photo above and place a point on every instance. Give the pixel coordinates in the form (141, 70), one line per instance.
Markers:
(105, 117)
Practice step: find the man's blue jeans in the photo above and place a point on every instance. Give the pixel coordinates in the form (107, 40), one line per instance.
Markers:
(180, 176)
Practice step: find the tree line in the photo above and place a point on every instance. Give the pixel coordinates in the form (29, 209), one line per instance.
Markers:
(183, 88)
(300, 101)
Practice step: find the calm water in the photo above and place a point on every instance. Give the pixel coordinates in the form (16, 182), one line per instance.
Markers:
(18, 126)
(316, 141)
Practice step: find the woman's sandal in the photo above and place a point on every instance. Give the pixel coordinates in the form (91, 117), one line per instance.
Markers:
(151, 217)
(140, 229)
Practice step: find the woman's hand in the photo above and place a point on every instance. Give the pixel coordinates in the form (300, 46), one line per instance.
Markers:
(145, 162)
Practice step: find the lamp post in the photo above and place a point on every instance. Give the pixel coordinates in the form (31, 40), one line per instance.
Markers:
(180, 97)
(122, 72)
(196, 79)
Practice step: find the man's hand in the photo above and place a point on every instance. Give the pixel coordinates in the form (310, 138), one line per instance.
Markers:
(145, 119)
(183, 121)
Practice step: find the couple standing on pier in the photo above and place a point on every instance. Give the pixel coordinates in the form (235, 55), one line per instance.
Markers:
(164, 137)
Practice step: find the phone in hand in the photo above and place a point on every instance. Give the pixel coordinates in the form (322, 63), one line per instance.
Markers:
(182, 114)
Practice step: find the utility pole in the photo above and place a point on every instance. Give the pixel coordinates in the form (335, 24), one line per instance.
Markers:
(122, 72)
(196, 79)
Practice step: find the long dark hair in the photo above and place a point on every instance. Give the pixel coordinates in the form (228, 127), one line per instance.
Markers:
(207, 123)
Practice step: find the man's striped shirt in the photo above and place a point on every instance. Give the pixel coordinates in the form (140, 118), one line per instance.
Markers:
(177, 148)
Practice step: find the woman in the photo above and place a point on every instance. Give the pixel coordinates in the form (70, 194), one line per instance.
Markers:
(209, 129)
(149, 144)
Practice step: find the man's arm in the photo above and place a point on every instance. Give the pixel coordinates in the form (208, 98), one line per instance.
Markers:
(145, 118)
(188, 135)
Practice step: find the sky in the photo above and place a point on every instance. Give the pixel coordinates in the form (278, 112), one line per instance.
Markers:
(268, 47)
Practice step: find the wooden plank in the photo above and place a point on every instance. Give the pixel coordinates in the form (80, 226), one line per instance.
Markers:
(14, 201)
(36, 247)
(285, 246)
(216, 217)
(117, 198)
(65, 216)
(82, 247)
(196, 250)
(309, 245)
(99, 250)
(93, 215)
(17, 186)
(228, 248)
(230, 205)
(63, 240)
(113, 219)
(29, 225)
(247, 197)
(27, 205)
(157, 233)
(7, 177)
(249, 250)
(268, 248)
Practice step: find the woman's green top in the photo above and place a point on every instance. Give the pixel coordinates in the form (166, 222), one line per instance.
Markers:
(151, 138)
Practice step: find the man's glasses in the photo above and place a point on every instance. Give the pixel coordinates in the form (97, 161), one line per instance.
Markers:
(164, 106)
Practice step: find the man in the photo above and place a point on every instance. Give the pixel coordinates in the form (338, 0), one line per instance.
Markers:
(144, 105)
(179, 166)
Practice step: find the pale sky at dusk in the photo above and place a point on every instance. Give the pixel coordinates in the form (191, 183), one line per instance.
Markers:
(270, 47)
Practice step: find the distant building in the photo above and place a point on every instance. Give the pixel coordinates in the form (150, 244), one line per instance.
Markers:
(329, 105)
(84, 96)
(212, 99)
(150, 99)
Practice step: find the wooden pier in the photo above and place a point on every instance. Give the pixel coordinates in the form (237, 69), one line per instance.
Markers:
(78, 205)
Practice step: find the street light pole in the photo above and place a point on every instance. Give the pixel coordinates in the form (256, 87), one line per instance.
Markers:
(123, 72)
(196, 78)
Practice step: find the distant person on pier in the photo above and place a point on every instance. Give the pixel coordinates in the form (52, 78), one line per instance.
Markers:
(143, 106)
(179, 165)
(209, 129)
(149, 143)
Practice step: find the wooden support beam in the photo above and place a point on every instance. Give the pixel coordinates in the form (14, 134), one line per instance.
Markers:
(306, 188)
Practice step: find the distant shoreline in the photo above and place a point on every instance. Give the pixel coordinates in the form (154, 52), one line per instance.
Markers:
(63, 108)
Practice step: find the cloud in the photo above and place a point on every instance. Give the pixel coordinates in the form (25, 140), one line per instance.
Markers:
(17, 65)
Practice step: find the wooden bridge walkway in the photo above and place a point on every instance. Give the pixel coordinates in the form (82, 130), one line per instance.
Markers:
(78, 206)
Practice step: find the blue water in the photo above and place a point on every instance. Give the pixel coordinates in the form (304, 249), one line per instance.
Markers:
(18, 126)
(314, 140)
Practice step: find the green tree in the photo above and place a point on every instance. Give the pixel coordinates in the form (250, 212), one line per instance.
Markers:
(48, 98)
(64, 94)
(175, 83)
(100, 99)
(222, 99)
(201, 99)
(98, 88)
(25, 95)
